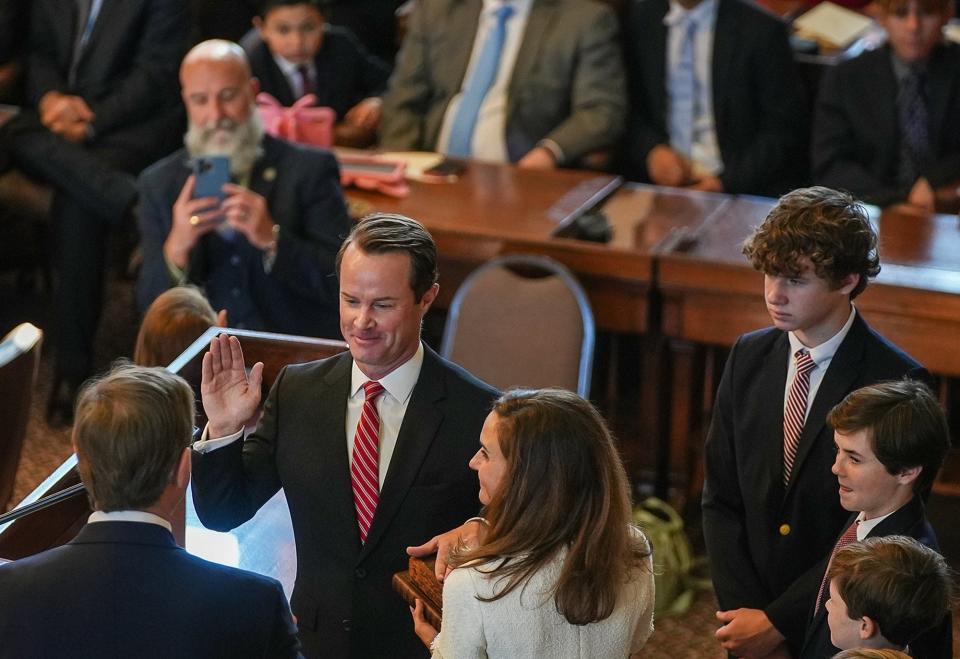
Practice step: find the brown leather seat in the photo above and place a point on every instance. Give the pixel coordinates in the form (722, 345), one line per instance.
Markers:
(19, 360)
(522, 321)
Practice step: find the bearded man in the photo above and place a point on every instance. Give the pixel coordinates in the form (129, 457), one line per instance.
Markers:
(266, 252)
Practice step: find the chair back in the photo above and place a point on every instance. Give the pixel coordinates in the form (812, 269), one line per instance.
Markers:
(522, 321)
(19, 361)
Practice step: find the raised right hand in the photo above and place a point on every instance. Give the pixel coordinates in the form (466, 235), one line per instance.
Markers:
(229, 396)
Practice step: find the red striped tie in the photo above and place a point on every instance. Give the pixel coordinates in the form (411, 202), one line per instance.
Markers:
(365, 470)
(796, 410)
(850, 535)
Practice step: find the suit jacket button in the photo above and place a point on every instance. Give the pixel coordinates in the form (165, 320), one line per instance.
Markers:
(360, 573)
(346, 625)
(784, 529)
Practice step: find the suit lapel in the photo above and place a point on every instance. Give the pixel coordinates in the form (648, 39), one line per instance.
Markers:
(837, 381)
(417, 432)
(773, 380)
(542, 14)
(876, 94)
(452, 57)
(726, 37)
(264, 173)
(941, 80)
(654, 56)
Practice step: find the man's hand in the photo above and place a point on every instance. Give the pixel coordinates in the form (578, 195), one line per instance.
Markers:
(59, 111)
(922, 196)
(539, 157)
(707, 184)
(247, 212)
(229, 397)
(365, 114)
(667, 167)
(192, 218)
(748, 633)
(470, 534)
(423, 629)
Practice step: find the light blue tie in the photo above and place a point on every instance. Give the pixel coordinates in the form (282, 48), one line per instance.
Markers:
(484, 73)
(683, 93)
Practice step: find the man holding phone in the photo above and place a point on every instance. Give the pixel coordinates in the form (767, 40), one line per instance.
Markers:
(253, 220)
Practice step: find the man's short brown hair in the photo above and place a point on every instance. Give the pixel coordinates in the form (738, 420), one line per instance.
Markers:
(896, 581)
(382, 233)
(131, 427)
(905, 424)
(828, 227)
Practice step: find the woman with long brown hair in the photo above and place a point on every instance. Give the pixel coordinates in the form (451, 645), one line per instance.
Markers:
(560, 571)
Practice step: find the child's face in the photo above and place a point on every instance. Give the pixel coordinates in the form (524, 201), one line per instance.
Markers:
(914, 30)
(865, 484)
(293, 32)
(806, 304)
(844, 631)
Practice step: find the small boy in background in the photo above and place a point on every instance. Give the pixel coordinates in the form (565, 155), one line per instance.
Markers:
(891, 439)
(299, 53)
(885, 592)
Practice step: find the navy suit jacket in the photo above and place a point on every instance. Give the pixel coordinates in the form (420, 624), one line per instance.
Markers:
(758, 106)
(299, 294)
(346, 72)
(760, 536)
(856, 130)
(343, 597)
(909, 520)
(125, 589)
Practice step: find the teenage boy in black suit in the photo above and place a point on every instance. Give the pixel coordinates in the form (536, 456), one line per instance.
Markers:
(770, 508)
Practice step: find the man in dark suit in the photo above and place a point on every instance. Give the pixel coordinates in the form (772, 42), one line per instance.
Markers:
(891, 440)
(296, 52)
(716, 103)
(371, 447)
(885, 126)
(770, 507)
(535, 82)
(266, 252)
(102, 104)
(122, 587)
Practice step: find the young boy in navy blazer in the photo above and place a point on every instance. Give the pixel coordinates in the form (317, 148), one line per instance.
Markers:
(771, 511)
(891, 439)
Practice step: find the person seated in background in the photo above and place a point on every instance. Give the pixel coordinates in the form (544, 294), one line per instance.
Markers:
(122, 587)
(771, 512)
(172, 322)
(885, 125)
(891, 439)
(533, 82)
(266, 252)
(716, 102)
(101, 104)
(885, 592)
(559, 570)
(299, 53)
(870, 653)
(13, 15)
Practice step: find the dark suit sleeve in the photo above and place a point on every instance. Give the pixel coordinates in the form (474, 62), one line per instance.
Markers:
(409, 92)
(373, 72)
(779, 137)
(231, 483)
(153, 219)
(598, 103)
(735, 578)
(43, 72)
(283, 638)
(306, 257)
(152, 78)
(644, 130)
(834, 149)
(790, 612)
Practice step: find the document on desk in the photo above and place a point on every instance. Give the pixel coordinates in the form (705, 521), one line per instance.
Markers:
(832, 24)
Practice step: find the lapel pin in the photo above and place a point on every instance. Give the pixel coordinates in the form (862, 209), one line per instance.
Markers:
(269, 174)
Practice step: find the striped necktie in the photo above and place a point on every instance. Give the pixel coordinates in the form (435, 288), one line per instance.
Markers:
(850, 535)
(365, 466)
(796, 411)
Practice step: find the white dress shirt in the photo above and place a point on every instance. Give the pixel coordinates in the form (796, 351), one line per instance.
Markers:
(291, 72)
(489, 135)
(128, 516)
(821, 355)
(704, 151)
(391, 405)
(864, 526)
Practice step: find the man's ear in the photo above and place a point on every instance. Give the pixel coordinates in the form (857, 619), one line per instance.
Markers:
(254, 86)
(181, 475)
(909, 475)
(848, 283)
(258, 24)
(868, 628)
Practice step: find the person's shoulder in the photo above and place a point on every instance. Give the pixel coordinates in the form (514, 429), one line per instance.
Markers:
(759, 340)
(460, 378)
(165, 167)
(318, 367)
(751, 15)
(306, 159)
(880, 351)
(867, 63)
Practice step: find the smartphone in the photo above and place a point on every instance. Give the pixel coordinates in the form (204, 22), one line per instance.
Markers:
(446, 168)
(212, 173)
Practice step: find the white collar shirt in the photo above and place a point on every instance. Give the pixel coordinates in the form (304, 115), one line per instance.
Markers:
(489, 134)
(821, 355)
(291, 72)
(391, 405)
(128, 516)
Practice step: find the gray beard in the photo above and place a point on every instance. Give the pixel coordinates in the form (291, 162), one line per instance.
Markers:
(243, 148)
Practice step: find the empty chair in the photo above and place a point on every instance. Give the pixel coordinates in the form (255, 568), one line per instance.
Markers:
(522, 320)
(19, 360)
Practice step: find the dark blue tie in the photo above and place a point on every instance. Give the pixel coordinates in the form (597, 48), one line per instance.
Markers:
(481, 80)
(683, 93)
(914, 136)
